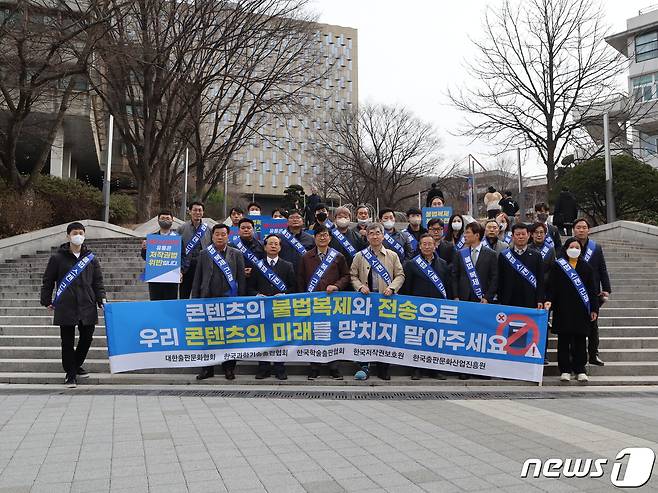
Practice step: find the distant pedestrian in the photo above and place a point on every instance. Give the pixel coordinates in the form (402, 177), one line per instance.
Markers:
(75, 273)
(492, 202)
(508, 205)
(565, 212)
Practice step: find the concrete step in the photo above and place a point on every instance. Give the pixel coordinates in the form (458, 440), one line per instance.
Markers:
(634, 311)
(628, 331)
(624, 321)
(614, 302)
(48, 338)
(128, 293)
(615, 354)
(32, 320)
(605, 342)
(614, 368)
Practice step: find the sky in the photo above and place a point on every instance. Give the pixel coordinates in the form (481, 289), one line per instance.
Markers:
(410, 52)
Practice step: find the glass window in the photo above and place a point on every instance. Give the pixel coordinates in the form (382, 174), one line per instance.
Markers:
(648, 143)
(646, 46)
(644, 87)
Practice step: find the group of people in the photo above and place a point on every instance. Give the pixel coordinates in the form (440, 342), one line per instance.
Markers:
(498, 261)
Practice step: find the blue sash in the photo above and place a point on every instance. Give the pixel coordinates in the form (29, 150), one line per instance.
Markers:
(520, 268)
(545, 248)
(71, 275)
(487, 244)
(376, 265)
(508, 238)
(275, 280)
(576, 280)
(460, 244)
(341, 238)
(200, 231)
(431, 275)
(591, 246)
(290, 238)
(471, 272)
(412, 240)
(225, 268)
(392, 242)
(319, 272)
(549, 241)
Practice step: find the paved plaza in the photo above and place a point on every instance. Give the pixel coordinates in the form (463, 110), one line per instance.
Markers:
(86, 440)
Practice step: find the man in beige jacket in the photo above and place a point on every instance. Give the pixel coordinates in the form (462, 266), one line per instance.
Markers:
(366, 280)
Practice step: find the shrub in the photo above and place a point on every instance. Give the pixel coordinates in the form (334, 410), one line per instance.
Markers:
(23, 213)
(122, 208)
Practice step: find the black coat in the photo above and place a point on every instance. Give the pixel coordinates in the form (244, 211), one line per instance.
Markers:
(513, 289)
(353, 237)
(569, 313)
(509, 206)
(79, 302)
(257, 284)
(288, 251)
(566, 209)
(210, 281)
(487, 271)
(446, 251)
(599, 268)
(416, 283)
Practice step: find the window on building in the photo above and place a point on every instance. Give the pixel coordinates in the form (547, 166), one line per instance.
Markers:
(644, 87)
(649, 143)
(646, 46)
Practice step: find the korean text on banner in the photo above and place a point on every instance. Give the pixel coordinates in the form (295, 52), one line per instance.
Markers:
(442, 213)
(163, 258)
(481, 339)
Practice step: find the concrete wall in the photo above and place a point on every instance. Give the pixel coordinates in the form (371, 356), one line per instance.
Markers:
(633, 232)
(44, 239)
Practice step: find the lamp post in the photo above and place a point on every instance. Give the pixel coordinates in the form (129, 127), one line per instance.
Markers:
(183, 206)
(609, 191)
(108, 172)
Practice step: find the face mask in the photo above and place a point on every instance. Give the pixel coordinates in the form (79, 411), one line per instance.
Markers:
(542, 217)
(78, 240)
(342, 222)
(414, 220)
(388, 224)
(573, 252)
(321, 216)
(254, 213)
(165, 224)
(363, 221)
(502, 226)
(456, 226)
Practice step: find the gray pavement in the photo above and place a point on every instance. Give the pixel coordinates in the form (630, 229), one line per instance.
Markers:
(74, 441)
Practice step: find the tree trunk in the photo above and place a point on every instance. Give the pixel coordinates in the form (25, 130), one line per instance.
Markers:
(144, 200)
(200, 168)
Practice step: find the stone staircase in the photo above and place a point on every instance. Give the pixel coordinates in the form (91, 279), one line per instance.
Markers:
(30, 345)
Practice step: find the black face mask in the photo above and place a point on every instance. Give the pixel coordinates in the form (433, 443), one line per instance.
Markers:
(321, 216)
(165, 224)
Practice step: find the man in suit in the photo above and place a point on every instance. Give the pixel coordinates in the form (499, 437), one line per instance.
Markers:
(418, 281)
(592, 253)
(188, 233)
(366, 281)
(399, 241)
(210, 281)
(163, 290)
(259, 285)
(298, 235)
(480, 286)
(445, 250)
(335, 278)
(515, 288)
(541, 214)
(486, 268)
(342, 218)
(491, 239)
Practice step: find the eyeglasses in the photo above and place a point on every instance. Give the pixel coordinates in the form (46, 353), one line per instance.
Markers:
(436, 230)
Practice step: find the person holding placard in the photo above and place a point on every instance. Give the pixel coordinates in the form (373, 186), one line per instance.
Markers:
(163, 290)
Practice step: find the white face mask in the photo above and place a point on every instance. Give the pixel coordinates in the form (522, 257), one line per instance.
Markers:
(456, 226)
(342, 222)
(254, 213)
(78, 240)
(388, 224)
(414, 220)
(573, 252)
(363, 221)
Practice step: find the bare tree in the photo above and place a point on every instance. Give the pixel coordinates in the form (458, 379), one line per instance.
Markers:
(376, 152)
(45, 48)
(542, 68)
(255, 75)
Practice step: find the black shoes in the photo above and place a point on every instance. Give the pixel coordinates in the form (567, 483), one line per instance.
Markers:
(281, 375)
(336, 374)
(417, 374)
(464, 376)
(262, 374)
(206, 372)
(229, 374)
(439, 375)
(384, 373)
(596, 361)
(82, 373)
(70, 382)
(313, 374)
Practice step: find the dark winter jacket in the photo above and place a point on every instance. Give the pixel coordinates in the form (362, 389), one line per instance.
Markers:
(80, 301)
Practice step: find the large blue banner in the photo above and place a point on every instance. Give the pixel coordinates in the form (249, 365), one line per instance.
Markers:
(481, 339)
(163, 258)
